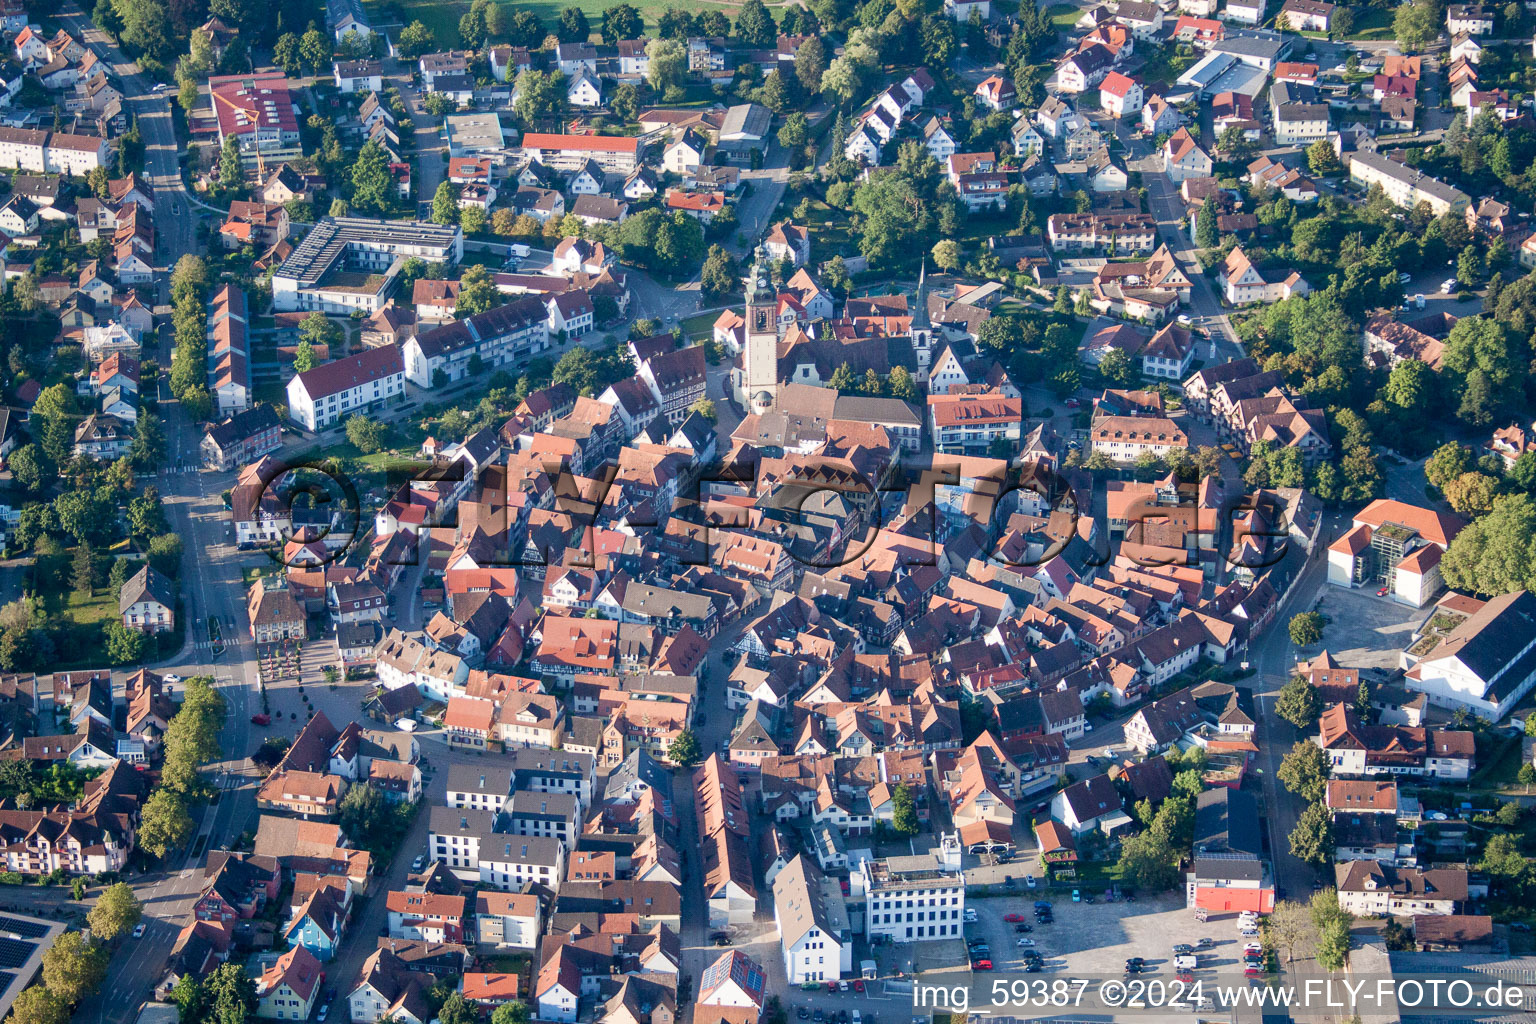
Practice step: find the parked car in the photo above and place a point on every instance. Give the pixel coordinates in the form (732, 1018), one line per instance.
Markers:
(1013, 918)
(261, 719)
(1025, 943)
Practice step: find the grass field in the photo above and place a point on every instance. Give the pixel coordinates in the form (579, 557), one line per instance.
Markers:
(442, 16)
(1063, 16)
(1373, 24)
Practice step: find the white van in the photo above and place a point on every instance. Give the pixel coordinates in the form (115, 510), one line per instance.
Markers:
(1185, 962)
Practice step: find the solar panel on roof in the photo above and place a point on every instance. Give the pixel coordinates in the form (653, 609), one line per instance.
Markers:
(26, 929)
(14, 953)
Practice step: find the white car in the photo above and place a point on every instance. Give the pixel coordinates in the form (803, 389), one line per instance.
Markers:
(1253, 947)
(138, 930)
(170, 678)
(970, 915)
(1029, 880)
(325, 1011)
(1447, 286)
(1026, 943)
(158, 87)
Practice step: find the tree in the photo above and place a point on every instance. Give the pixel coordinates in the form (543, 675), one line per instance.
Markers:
(116, 912)
(811, 64)
(622, 21)
(37, 1005)
(371, 181)
(304, 357)
(74, 967)
(1495, 554)
(843, 379)
(904, 811)
(1511, 873)
(473, 24)
(445, 204)
(367, 435)
(1306, 628)
(315, 50)
(1147, 859)
(1320, 155)
(477, 292)
(666, 63)
(684, 750)
(285, 53)
(230, 995)
(1304, 771)
(82, 571)
(1288, 927)
(124, 645)
(472, 220)
(1472, 493)
(720, 274)
(1119, 369)
(1416, 23)
(164, 554)
(186, 94)
(1206, 234)
(572, 28)
(1526, 775)
(1003, 334)
(705, 407)
(514, 1012)
(1299, 702)
(415, 40)
(755, 25)
(540, 95)
(947, 255)
(1312, 838)
(26, 466)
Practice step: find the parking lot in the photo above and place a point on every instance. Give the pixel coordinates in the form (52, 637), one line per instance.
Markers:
(1365, 631)
(1098, 938)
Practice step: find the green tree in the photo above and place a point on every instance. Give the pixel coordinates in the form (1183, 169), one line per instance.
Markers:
(1149, 861)
(124, 645)
(1495, 554)
(1472, 493)
(947, 255)
(540, 95)
(755, 25)
(285, 53)
(1304, 771)
(26, 466)
(415, 40)
(666, 64)
(1416, 23)
(37, 1005)
(477, 292)
(1119, 369)
(720, 274)
(843, 379)
(367, 435)
(622, 21)
(74, 967)
(571, 28)
(116, 913)
(82, 572)
(1321, 158)
(304, 357)
(684, 751)
(811, 64)
(230, 995)
(514, 1012)
(473, 26)
(164, 554)
(372, 185)
(904, 811)
(1299, 702)
(445, 204)
(1312, 839)
(902, 385)
(1206, 235)
(1306, 628)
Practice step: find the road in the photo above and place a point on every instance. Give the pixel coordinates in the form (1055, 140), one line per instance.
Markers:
(175, 223)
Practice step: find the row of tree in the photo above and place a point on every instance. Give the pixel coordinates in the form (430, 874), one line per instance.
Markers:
(191, 741)
(75, 966)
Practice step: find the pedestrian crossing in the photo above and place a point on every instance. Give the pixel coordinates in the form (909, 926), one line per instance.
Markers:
(172, 470)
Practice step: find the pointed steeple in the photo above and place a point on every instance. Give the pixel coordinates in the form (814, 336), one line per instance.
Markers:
(920, 314)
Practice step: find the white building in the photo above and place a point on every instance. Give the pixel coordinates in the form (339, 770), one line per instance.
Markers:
(1488, 662)
(347, 264)
(1406, 186)
(502, 336)
(332, 391)
(912, 899)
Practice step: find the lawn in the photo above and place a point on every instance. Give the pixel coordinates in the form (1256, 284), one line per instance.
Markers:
(700, 325)
(443, 17)
(1063, 16)
(1372, 23)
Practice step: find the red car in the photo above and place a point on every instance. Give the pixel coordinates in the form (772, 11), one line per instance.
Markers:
(858, 985)
(261, 719)
(1013, 918)
(831, 986)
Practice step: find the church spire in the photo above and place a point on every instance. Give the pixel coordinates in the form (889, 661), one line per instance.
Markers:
(920, 314)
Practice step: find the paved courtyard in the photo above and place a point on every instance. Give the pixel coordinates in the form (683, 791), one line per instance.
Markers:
(1365, 631)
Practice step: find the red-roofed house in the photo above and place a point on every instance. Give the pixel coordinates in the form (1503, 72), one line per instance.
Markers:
(1120, 95)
